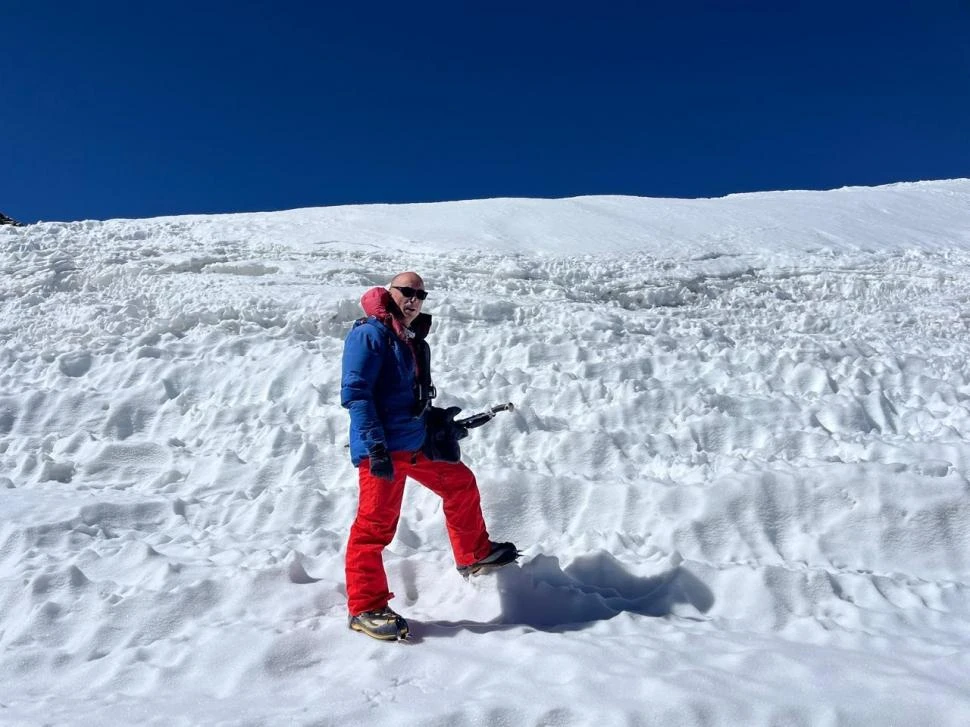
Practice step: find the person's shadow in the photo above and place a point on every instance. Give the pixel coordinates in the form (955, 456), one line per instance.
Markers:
(540, 594)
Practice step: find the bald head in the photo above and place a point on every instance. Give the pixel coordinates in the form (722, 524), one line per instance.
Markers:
(403, 287)
(409, 280)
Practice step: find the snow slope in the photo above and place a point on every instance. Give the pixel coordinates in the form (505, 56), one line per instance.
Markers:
(738, 464)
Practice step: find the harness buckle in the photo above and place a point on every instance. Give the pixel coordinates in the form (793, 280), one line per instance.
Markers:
(424, 396)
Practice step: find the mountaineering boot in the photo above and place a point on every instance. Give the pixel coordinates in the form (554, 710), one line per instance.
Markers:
(501, 554)
(382, 624)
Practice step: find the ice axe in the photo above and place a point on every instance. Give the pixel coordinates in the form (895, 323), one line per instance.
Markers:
(476, 420)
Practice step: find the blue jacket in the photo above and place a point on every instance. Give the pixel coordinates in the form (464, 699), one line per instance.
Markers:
(378, 383)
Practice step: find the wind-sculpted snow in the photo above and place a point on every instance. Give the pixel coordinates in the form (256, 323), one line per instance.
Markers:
(738, 472)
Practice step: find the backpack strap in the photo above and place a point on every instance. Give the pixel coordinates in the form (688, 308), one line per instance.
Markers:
(424, 390)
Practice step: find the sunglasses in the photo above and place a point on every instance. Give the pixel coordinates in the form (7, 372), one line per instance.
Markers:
(409, 292)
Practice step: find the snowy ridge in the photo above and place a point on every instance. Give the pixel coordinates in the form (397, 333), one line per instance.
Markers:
(737, 466)
(926, 215)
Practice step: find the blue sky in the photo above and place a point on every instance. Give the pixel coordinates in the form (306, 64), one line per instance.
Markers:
(125, 109)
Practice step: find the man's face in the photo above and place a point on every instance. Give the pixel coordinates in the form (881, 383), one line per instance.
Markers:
(404, 292)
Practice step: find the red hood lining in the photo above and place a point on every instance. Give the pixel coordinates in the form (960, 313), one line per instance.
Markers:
(378, 302)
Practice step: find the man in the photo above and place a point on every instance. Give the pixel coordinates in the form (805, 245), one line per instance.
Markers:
(395, 434)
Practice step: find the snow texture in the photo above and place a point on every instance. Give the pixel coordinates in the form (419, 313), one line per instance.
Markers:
(738, 465)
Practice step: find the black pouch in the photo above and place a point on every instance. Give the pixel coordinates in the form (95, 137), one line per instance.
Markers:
(442, 434)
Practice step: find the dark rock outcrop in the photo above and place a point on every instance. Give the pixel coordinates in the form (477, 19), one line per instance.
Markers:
(4, 220)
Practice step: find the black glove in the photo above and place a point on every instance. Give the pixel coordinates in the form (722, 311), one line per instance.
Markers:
(441, 440)
(380, 463)
(452, 430)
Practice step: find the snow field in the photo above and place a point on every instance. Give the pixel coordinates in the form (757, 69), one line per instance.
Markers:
(737, 465)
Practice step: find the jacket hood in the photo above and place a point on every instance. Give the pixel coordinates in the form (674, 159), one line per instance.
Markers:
(377, 302)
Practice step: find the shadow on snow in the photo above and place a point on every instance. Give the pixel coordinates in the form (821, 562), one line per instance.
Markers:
(542, 595)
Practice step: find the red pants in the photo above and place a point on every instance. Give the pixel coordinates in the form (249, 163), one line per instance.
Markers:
(379, 510)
